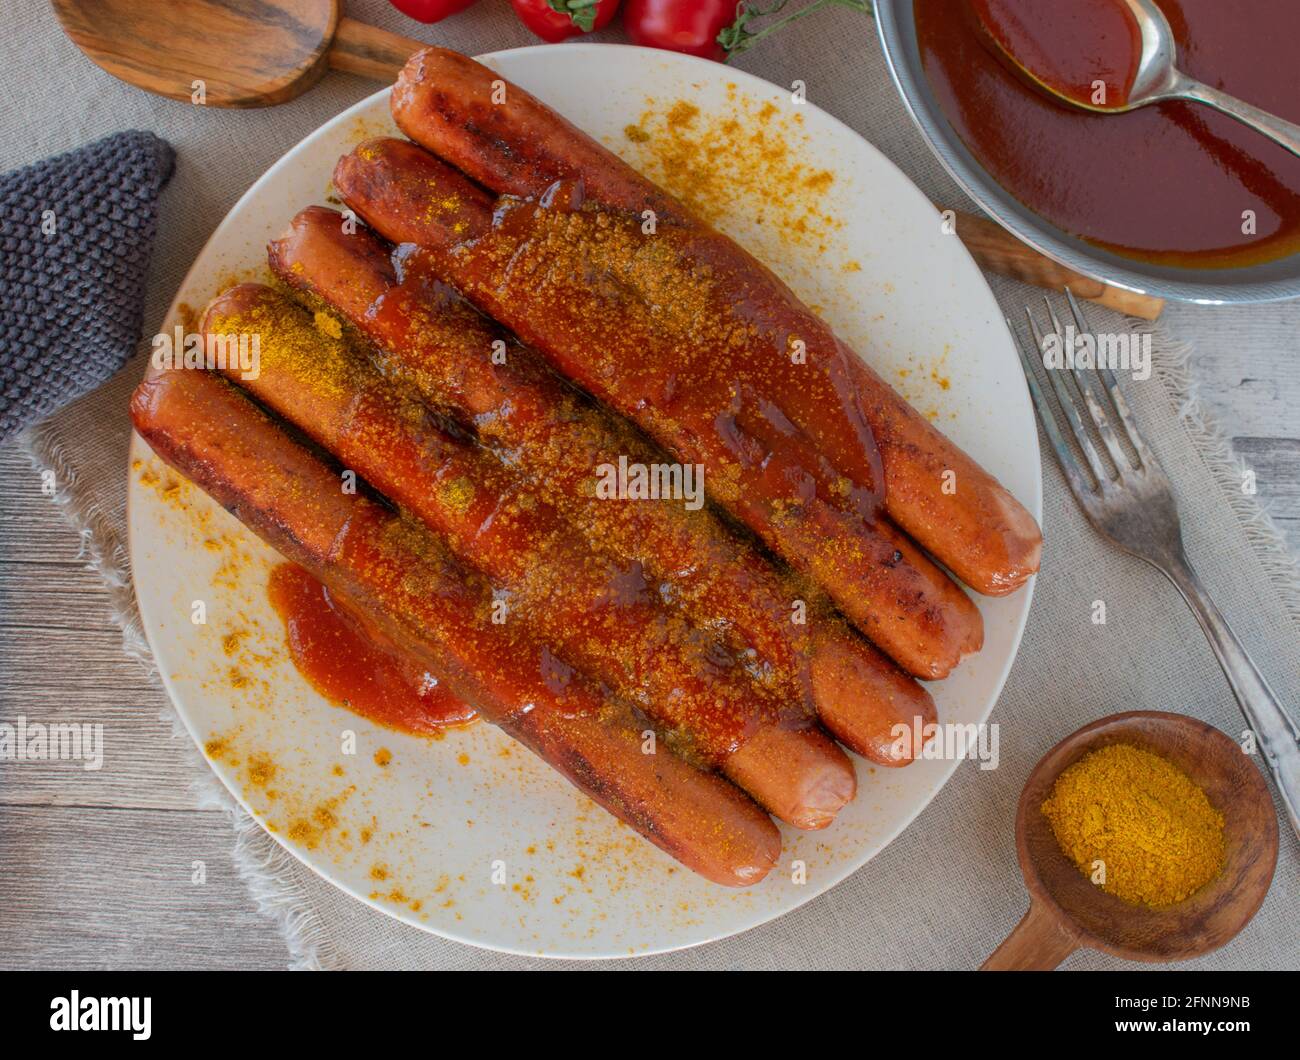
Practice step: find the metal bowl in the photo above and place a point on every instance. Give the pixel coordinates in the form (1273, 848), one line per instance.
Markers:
(1269, 282)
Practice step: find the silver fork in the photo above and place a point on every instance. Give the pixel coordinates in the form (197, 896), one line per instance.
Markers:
(1134, 507)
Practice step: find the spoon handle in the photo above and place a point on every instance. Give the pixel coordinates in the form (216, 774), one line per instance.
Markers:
(1280, 131)
(1037, 944)
(369, 51)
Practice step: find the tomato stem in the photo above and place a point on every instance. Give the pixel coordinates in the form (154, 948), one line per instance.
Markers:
(738, 37)
(581, 12)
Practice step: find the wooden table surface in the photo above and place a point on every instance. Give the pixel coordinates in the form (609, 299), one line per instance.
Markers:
(90, 863)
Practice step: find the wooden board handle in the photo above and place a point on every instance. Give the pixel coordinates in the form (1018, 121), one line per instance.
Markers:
(369, 51)
(1038, 943)
(999, 251)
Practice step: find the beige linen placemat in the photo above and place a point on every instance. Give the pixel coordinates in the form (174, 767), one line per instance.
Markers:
(945, 892)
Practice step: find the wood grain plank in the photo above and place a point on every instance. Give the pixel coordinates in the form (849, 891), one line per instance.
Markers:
(141, 769)
(1244, 363)
(91, 641)
(31, 528)
(61, 660)
(96, 888)
(1276, 463)
(62, 588)
(1247, 376)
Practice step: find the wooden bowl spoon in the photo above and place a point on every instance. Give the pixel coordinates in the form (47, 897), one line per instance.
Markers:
(245, 54)
(1068, 912)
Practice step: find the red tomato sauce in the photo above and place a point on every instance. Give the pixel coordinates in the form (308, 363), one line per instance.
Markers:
(1169, 183)
(345, 665)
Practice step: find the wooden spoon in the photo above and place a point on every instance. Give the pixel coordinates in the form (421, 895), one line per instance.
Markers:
(1068, 912)
(251, 54)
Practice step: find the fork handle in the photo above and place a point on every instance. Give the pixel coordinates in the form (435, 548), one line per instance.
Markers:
(1276, 734)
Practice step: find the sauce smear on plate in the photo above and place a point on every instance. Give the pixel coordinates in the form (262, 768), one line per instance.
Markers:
(341, 661)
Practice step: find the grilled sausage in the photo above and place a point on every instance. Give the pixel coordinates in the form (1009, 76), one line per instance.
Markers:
(396, 575)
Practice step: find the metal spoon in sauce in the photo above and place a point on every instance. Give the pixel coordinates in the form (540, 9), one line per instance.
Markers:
(1154, 77)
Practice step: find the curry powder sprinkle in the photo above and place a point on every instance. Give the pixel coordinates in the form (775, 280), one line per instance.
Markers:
(748, 156)
(1156, 835)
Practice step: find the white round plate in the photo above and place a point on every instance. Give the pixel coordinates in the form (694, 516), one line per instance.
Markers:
(427, 830)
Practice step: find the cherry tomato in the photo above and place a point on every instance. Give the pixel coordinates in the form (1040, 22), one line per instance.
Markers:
(557, 20)
(716, 29)
(690, 26)
(431, 10)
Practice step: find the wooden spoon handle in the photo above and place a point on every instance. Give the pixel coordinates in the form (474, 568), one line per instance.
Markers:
(1038, 943)
(369, 51)
(999, 251)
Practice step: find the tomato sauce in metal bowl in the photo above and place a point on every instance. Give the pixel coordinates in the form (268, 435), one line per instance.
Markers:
(1173, 183)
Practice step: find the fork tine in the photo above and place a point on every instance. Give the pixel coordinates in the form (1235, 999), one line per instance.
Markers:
(1129, 424)
(1068, 405)
(1064, 455)
(1091, 392)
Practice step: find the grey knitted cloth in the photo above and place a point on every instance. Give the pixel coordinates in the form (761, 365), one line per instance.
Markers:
(76, 231)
